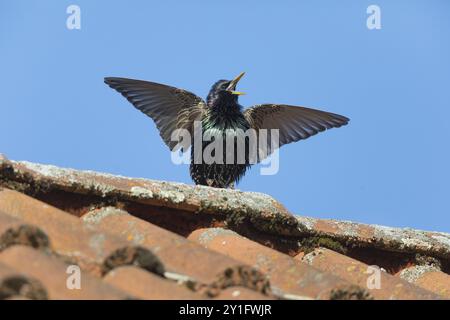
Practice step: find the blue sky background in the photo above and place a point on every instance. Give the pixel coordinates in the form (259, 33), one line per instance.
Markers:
(390, 166)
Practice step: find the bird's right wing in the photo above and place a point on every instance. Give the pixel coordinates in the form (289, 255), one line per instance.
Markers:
(171, 108)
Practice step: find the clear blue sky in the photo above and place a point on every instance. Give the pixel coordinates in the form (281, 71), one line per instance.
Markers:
(390, 166)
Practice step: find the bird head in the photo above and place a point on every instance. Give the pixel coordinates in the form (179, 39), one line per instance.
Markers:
(225, 90)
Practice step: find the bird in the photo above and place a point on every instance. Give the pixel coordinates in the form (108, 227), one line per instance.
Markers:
(172, 108)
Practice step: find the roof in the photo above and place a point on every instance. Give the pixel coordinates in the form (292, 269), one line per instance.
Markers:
(146, 239)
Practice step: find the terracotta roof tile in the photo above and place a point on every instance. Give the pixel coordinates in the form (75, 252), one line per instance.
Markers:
(266, 212)
(137, 282)
(390, 239)
(429, 278)
(203, 268)
(356, 272)
(52, 273)
(14, 231)
(15, 285)
(287, 276)
(240, 293)
(155, 240)
(93, 250)
(17, 298)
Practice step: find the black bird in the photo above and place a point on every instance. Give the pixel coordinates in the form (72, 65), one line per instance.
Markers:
(172, 108)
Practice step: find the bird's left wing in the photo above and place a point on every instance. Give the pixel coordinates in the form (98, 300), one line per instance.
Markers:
(170, 108)
(293, 123)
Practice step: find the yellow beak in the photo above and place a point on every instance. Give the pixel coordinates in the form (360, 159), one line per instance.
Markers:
(233, 84)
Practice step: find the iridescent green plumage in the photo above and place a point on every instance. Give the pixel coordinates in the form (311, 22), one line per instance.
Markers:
(223, 117)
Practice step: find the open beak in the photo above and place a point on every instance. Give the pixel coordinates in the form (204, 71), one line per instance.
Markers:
(232, 87)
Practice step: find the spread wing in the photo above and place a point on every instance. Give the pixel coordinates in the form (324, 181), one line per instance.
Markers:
(170, 108)
(294, 123)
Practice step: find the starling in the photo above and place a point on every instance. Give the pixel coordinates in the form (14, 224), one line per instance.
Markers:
(173, 108)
